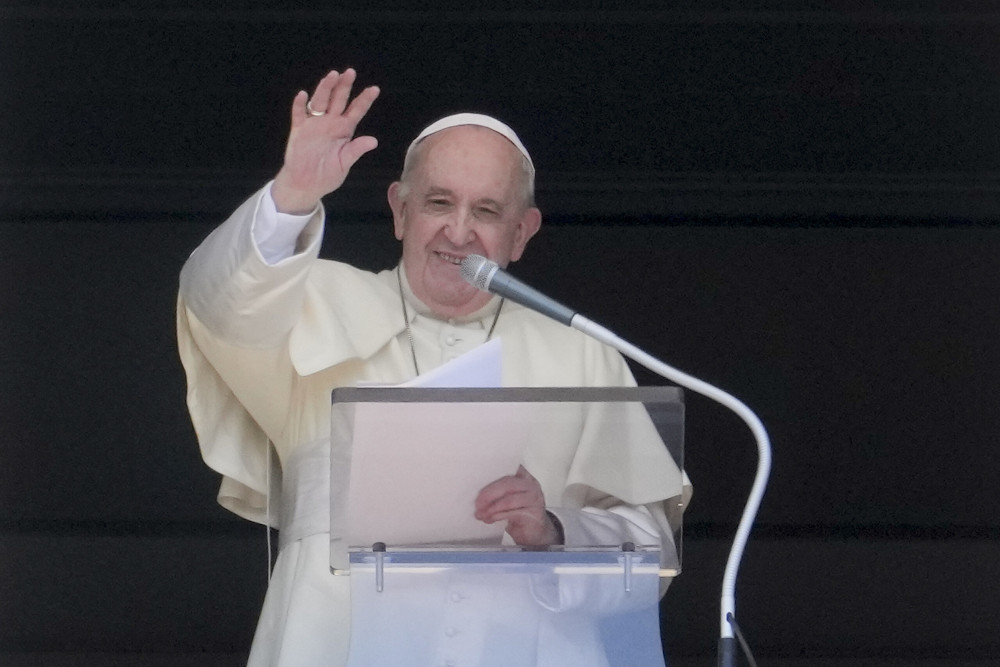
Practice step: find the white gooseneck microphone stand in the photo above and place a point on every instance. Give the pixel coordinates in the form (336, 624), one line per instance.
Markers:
(487, 275)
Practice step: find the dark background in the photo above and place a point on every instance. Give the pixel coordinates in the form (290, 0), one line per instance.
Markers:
(796, 201)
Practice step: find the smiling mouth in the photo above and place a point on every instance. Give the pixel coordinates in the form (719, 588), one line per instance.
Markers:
(451, 259)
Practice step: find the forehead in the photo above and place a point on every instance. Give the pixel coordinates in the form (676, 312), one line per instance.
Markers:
(468, 151)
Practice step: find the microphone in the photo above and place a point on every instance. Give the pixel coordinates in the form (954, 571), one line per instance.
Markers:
(487, 275)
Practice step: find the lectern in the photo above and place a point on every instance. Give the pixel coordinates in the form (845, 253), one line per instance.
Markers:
(431, 586)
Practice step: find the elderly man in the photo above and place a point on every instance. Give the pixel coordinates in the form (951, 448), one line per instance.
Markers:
(266, 330)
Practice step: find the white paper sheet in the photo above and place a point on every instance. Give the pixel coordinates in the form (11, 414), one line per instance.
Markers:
(480, 367)
(417, 468)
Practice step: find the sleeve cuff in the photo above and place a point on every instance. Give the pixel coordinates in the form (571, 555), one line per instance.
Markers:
(276, 234)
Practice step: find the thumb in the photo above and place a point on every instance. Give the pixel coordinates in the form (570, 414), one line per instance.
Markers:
(354, 149)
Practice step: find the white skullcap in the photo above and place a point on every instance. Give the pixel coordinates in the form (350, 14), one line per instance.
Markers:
(479, 119)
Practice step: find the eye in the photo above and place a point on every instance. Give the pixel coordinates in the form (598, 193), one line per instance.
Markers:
(438, 203)
(487, 212)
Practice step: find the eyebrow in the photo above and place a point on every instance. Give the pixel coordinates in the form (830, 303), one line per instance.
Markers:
(434, 192)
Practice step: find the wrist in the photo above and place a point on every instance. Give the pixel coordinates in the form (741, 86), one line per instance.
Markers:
(290, 200)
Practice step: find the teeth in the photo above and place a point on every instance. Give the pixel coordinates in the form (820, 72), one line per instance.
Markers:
(450, 258)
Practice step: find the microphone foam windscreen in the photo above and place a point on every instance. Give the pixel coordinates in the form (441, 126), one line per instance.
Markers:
(476, 270)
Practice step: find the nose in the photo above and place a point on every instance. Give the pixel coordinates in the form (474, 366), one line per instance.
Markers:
(460, 229)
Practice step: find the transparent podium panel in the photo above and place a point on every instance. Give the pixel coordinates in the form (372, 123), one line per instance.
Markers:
(432, 585)
(505, 608)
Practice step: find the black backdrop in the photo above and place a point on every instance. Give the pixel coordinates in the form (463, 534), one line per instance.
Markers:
(797, 202)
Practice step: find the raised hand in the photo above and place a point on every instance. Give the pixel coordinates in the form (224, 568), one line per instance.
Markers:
(518, 500)
(321, 145)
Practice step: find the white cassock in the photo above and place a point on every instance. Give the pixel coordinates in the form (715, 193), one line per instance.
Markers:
(263, 346)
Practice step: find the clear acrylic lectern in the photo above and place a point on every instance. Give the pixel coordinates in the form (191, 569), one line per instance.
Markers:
(432, 586)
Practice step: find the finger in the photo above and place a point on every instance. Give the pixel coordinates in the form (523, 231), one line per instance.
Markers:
(527, 501)
(320, 100)
(506, 503)
(299, 108)
(342, 91)
(362, 103)
(497, 489)
(517, 515)
(523, 519)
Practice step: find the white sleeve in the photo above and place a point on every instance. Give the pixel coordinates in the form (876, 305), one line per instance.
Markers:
(605, 527)
(231, 289)
(615, 525)
(276, 234)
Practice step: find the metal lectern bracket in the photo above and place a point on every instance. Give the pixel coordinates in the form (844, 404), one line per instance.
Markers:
(379, 550)
(628, 549)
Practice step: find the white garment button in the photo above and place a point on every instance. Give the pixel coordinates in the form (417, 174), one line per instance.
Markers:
(451, 632)
(456, 597)
(450, 340)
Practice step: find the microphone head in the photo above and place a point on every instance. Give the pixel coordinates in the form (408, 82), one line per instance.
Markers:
(478, 271)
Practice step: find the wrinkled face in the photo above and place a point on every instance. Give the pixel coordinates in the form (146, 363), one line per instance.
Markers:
(466, 195)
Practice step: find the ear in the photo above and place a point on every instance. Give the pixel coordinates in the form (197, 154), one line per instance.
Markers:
(527, 227)
(398, 206)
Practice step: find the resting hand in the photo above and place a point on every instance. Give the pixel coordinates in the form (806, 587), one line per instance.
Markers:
(322, 149)
(518, 500)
